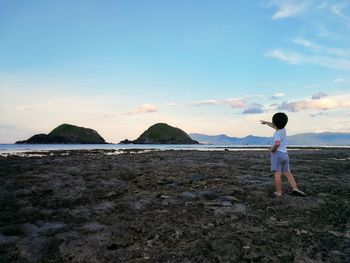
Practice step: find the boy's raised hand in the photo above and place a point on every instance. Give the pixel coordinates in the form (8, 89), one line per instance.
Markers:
(270, 124)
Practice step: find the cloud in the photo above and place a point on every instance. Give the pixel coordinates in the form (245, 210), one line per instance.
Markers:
(298, 59)
(205, 103)
(337, 9)
(277, 96)
(254, 110)
(289, 8)
(324, 103)
(313, 47)
(233, 102)
(318, 96)
(318, 101)
(290, 58)
(145, 108)
(341, 81)
(294, 8)
(314, 115)
(306, 43)
(98, 117)
(171, 104)
(326, 33)
(236, 103)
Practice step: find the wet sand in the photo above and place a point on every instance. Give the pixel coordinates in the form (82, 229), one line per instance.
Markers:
(173, 206)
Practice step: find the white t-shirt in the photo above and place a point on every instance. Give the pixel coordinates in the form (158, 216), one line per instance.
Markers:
(281, 135)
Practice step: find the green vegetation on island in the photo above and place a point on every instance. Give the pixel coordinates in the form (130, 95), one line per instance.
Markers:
(66, 134)
(162, 133)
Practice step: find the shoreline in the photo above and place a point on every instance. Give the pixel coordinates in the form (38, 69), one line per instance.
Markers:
(144, 148)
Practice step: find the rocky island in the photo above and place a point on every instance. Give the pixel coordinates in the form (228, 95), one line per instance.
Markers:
(66, 134)
(162, 133)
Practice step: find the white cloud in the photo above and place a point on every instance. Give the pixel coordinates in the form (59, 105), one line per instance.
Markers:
(205, 103)
(341, 81)
(314, 115)
(171, 104)
(298, 59)
(236, 103)
(326, 33)
(233, 102)
(289, 8)
(318, 96)
(145, 108)
(290, 58)
(277, 96)
(304, 42)
(324, 103)
(254, 108)
(338, 9)
(340, 52)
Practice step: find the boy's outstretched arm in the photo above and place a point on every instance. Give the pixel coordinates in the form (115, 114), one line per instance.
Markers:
(268, 124)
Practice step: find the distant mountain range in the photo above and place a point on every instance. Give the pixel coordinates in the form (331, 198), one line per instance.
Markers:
(307, 139)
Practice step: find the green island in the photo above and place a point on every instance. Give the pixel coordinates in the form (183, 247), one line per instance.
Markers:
(66, 134)
(162, 133)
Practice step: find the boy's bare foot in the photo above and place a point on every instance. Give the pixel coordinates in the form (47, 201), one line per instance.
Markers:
(297, 192)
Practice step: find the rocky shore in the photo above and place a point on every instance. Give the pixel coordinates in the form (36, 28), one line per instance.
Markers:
(173, 206)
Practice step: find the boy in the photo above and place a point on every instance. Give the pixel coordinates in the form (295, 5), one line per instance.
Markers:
(279, 154)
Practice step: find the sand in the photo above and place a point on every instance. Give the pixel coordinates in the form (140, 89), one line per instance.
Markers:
(173, 206)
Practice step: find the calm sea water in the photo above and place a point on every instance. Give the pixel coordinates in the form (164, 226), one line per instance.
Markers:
(18, 148)
(22, 148)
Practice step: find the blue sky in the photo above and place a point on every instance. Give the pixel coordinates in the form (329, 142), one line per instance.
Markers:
(204, 66)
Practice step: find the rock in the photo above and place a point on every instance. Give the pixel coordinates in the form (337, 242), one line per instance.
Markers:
(286, 256)
(189, 195)
(230, 198)
(126, 141)
(173, 184)
(89, 207)
(164, 196)
(196, 178)
(226, 207)
(240, 208)
(208, 195)
(7, 239)
(226, 203)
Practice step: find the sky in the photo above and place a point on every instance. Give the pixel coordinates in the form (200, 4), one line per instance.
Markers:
(205, 66)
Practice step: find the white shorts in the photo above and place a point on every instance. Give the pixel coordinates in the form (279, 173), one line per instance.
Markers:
(280, 162)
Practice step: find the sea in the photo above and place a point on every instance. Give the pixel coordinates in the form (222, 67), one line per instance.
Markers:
(13, 149)
(20, 148)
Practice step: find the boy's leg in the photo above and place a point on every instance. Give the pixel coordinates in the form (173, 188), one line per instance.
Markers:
(291, 180)
(278, 183)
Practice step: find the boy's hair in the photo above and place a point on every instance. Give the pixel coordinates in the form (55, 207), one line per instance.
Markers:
(280, 120)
